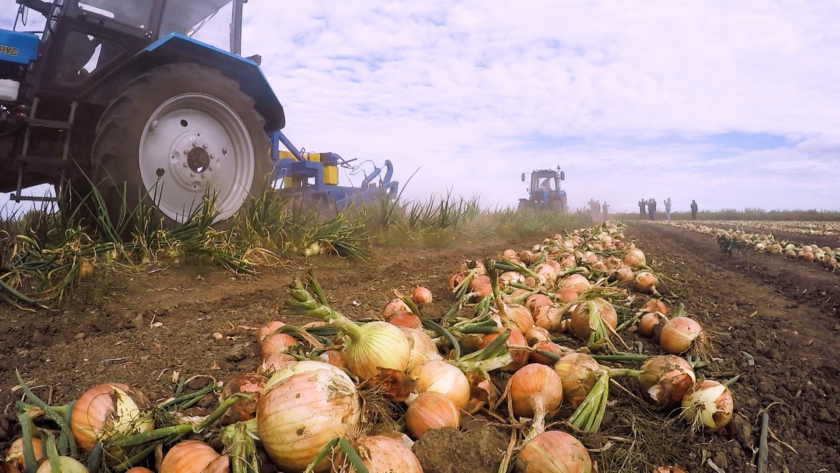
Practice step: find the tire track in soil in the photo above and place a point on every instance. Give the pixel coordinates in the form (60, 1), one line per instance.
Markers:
(793, 338)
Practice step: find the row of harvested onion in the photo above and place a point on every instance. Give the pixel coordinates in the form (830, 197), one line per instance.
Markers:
(315, 385)
(761, 242)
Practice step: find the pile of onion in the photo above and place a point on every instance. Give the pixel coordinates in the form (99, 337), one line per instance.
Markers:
(303, 407)
(708, 406)
(431, 410)
(554, 452)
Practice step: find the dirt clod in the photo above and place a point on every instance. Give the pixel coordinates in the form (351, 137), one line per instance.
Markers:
(448, 450)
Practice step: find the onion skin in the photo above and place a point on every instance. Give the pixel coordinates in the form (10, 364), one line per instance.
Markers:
(535, 391)
(520, 357)
(66, 465)
(646, 324)
(655, 305)
(708, 406)
(566, 295)
(554, 452)
(14, 455)
(277, 343)
(578, 373)
(517, 317)
(406, 319)
(444, 378)
(423, 348)
(549, 318)
(192, 456)
(109, 410)
(665, 380)
(536, 335)
(623, 274)
(299, 414)
(478, 281)
(431, 410)
(455, 280)
(681, 335)
(421, 295)
(333, 357)
(576, 282)
(243, 409)
(535, 301)
(580, 325)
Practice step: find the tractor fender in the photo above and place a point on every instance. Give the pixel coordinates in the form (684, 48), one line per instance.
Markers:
(175, 48)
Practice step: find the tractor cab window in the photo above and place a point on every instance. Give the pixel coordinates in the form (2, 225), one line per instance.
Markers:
(547, 184)
(83, 54)
(210, 21)
(136, 13)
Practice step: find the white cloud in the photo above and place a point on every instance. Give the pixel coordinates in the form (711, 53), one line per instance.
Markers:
(628, 97)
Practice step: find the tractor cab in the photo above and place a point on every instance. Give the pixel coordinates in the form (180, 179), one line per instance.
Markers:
(544, 191)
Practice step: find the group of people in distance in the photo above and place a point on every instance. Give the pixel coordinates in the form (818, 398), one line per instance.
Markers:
(651, 209)
(597, 209)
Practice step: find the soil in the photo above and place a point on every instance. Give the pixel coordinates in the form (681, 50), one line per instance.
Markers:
(781, 314)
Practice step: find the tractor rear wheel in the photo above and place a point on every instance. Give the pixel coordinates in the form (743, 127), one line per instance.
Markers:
(175, 135)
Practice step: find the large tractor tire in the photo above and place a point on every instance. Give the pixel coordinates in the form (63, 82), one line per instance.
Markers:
(178, 133)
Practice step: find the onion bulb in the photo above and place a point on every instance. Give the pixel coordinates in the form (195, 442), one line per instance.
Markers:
(516, 317)
(683, 335)
(333, 357)
(537, 334)
(65, 465)
(109, 411)
(431, 410)
(665, 380)
(394, 307)
(647, 324)
(14, 455)
(421, 295)
(277, 343)
(578, 373)
(655, 305)
(138, 469)
(192, 456)
(549, 318)
(423, 348)
(549, 347)
(478, 281)
(708, 406)
(635, 258)
(374, 345)
(516, 339)
(275, 362)
(535, 301)
(301, 412)
(576, 282)
(566, 295)
(645, 282)
(482, 291)
(455, 280)
(381, 454)
(623, 274)
(441, 377)
(582, 326)
(554, 452)
(243, 409)
(267, 330)
(535, 391)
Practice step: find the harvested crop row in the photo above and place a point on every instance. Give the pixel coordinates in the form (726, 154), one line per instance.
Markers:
(340, 391)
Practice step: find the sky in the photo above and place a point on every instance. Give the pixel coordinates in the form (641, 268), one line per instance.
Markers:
(733, 104)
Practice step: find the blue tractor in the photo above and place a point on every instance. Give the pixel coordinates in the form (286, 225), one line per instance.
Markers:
(544, 191)
(150, 102)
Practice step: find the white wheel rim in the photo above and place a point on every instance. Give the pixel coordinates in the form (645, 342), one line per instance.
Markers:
(195, 145)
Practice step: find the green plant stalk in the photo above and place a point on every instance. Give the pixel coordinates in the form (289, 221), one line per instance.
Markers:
(445, 334)
(352, 456)
(95, 459)
(304, 304)
(179, 430)
(52, 452)
(411, 306)
(504, 265)
(321, 455)
(241, 448)
(590, 413)
(142, 454)
(58, 419)
(461, 289)
(26, 428)
(63, 441)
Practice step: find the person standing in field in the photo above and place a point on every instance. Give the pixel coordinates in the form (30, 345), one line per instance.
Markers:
(693, 210)
(592, 211)
(606, 210)
(652, 209)
(668, 209)
(642, 209)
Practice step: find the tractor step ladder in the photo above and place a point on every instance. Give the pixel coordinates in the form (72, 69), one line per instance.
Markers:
(24, 159)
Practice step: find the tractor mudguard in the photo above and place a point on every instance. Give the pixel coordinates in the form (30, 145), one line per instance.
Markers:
(176, 48)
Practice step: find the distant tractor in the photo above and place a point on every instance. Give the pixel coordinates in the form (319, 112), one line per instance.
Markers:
(150, 102)
(545, 192)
